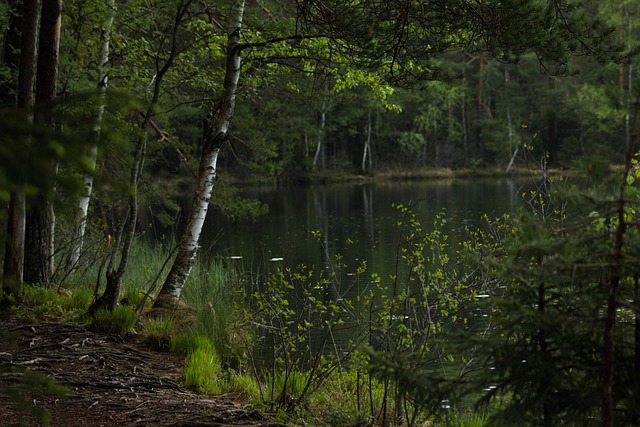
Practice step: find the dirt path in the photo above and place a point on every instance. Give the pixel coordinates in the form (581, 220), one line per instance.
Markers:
(114, 382)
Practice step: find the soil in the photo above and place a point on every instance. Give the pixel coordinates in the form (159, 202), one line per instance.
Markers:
(113, 381)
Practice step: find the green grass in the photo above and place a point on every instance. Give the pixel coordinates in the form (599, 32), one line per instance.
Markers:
(470, 420)
(213, 339)
(188, 343)
(119, 321)
(80, 299)
(40, 302)
(337, 400)
(243, 385)
(203, 371)
(208, 293)
(158, 333)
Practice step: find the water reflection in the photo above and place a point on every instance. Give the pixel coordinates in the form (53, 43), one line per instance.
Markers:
(356, 221)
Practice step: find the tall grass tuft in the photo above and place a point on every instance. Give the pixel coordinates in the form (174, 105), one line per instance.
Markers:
(188, 343)
(80, 299)
(208, 293)
(203, 371)
(119, 321)
(158, 333)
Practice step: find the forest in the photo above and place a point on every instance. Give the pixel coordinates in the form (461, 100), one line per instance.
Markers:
(111, 105)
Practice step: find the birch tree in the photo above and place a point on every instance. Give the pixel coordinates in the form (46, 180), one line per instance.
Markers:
(215, 135)
(366, 151)
(319, 156)
(85, 196)
(127, 225)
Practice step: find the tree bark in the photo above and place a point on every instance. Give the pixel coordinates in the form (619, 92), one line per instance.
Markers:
(40, 219)
(215, 136)
(85, 197)
(14, 251)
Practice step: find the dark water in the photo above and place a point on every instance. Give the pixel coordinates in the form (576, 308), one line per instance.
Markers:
(362, 214)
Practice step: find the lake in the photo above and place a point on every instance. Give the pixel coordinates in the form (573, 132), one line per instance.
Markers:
(363, 214)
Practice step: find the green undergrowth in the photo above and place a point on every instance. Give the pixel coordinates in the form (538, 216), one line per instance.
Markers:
(225, 349)
(37, 302)
(203, 371)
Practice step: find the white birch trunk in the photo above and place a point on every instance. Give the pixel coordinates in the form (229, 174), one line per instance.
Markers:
(215, 134)
(83, 203)
(367, 148)
(513, 159)
(318, 154)
(509, 123)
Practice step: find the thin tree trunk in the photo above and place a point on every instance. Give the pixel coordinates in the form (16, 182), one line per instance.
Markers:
(626, 96)
(320, 145)
(509, 123)
(16, 224)
(481, 62)
(215, 136)
(83, 203)
(111, 295)
(367, 148)
(480, 107)
(611, 309)
(14, 249)
(512, 160)
(40, 219)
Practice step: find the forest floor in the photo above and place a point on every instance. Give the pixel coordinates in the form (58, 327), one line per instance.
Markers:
(111, 381)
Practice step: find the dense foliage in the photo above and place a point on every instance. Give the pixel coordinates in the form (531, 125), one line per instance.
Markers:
(534, 318)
